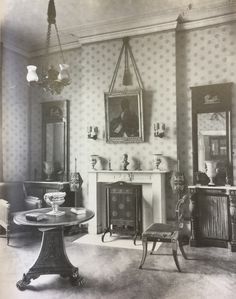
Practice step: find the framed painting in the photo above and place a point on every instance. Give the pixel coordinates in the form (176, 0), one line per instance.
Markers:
(124, 117)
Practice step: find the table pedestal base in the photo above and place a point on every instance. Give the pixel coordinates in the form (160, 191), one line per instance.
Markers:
(52, 259)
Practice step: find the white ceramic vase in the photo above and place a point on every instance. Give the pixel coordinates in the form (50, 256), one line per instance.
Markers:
(96, 162)
(211, 170)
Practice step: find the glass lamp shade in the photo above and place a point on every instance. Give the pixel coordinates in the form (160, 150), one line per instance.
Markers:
(32, 75)
(63, 74)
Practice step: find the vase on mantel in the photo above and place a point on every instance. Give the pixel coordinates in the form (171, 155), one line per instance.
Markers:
(96, 163)
(211, 170)
(157, 159)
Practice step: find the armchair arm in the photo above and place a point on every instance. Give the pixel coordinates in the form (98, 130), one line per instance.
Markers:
(33, 202)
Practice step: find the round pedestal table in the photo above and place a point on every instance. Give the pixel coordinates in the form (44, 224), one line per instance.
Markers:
(52, 257)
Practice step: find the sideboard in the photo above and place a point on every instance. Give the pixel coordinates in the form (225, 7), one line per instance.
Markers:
(213, 216)
(153, 195)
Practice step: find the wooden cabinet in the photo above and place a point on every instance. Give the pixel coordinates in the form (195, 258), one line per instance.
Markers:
(39, 188)
(213, 216)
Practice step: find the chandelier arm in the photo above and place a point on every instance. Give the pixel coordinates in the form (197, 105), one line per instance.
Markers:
(140, 83)
(116, 69)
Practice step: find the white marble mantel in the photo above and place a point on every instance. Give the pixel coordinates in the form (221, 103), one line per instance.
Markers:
(153, 189)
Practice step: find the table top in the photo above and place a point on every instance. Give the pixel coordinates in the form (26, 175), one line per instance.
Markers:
(68, 219)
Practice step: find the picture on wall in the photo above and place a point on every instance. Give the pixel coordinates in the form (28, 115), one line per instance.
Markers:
(124, 117)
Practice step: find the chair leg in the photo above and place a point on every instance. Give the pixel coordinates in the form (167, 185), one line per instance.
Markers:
(8, 235)
(174, 252)
(182, 250)
(107, 230)
(135, 238)
(153, 247)
(145, 243)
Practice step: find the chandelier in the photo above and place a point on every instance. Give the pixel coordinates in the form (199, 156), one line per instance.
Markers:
(51, 79)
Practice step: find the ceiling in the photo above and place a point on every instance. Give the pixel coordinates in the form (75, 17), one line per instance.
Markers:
(24, 22)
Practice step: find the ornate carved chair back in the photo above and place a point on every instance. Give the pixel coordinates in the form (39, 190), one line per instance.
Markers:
(180, 210)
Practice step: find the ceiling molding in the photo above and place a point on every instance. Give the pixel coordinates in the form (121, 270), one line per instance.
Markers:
(54, 49)
(11, 47)
(129, 32)
(72, 38)
(108, 36)
(207, 22)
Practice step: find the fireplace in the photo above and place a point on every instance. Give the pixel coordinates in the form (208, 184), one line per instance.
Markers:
(153, 193)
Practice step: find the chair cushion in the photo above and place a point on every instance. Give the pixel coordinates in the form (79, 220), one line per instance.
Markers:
(160, 231)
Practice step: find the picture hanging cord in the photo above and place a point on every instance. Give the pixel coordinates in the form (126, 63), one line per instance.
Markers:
(128, 49)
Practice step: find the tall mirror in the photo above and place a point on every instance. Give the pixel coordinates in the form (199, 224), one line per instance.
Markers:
(211, 125)
(55, 141)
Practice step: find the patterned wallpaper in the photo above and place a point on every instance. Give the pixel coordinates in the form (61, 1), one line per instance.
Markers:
(204, 56)
(15, 114)
(92, 68)
(199, 57)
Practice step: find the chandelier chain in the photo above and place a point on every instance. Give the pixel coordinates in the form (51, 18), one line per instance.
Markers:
(48, 42)
(59, 42)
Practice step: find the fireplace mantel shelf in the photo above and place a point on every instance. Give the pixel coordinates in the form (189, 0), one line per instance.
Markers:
(153, 189)
(126, 171)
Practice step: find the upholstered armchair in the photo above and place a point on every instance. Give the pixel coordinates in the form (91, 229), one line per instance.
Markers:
(14, 198)
(5, 217)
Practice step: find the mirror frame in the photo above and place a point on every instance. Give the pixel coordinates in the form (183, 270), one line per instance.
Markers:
(56, 112)
(207, 99)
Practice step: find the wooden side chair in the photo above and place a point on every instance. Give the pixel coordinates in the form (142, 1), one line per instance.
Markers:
(176, 234)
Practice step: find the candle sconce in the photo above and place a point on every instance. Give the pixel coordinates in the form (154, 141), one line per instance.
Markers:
(159, 130)
(92, 132)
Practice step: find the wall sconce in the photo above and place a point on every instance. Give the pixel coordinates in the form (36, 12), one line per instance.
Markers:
(159, 130)
(92, 132)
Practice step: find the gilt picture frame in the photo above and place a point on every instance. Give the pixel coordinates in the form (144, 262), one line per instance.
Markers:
(124, 117)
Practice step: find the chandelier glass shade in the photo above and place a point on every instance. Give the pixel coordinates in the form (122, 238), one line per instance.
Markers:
(51, 79)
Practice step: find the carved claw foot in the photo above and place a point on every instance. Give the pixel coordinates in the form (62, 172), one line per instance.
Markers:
(22, 284)
(76, 279)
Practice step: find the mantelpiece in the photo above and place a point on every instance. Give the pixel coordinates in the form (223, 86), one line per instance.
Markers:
(213, 216)
(153, 190)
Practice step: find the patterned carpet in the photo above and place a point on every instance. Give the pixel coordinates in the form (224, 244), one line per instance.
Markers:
(112, 273)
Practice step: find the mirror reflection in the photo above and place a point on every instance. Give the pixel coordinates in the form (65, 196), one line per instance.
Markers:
(211, 138)
(211, 134)
(55, 141)
(55, 151)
